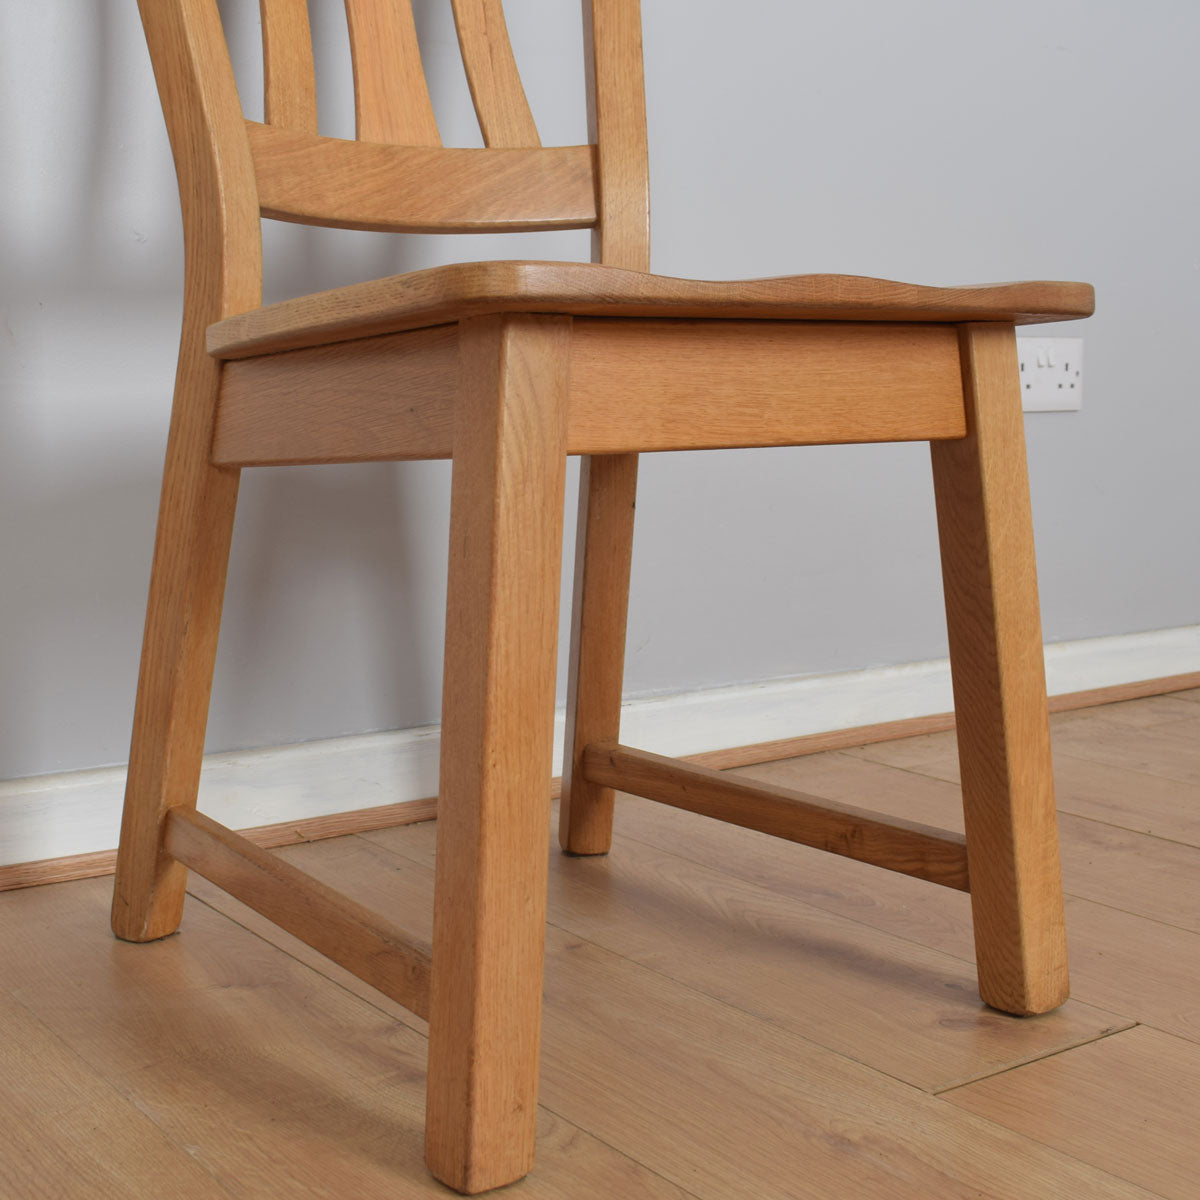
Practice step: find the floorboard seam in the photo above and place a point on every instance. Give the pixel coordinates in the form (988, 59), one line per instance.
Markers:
(384, 1011)
(1054, 1052)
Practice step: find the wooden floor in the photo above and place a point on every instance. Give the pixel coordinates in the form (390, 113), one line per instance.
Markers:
(726, 1016)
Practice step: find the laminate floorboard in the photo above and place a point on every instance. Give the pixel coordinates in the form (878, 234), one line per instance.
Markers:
(1143, 1129)
(1149, 876)
(649, 1063)
(727, 1016)
(801, 968)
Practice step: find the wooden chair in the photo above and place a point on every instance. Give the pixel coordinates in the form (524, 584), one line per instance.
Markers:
(508, 367)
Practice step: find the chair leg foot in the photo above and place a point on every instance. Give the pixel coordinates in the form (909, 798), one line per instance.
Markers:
(497, 740)
(603, 551)
(996, 656)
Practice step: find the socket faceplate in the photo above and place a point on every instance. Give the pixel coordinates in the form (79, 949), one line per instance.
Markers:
(1051, 373)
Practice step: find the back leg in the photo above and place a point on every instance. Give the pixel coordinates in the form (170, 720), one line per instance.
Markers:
(603, 551)
(183, 616)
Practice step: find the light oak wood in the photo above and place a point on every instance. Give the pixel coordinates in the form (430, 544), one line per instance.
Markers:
(68, 1132)
(1170, 754)
(255, 1069)
(690, 385)
(1101, 862)
(616, 110)
(603, 551)
(814, 975)
(222, 275)
(634, 385)
(1127, 963)
(802, 1117)
(496, 91)
(508, 367)
(391, 98)
(908, 847)
(790, 964)
(1068, 1102)
(273, 1077)
(389, 397)
(440, 294)
(289, 78)
(989, 578)
(646, 961)
(1142, 801)
(497, 726)
(1120, 961)
(417, 188)
(379, 953)
(617, 127)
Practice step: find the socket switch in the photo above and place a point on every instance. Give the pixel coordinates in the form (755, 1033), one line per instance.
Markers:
(1051, 373)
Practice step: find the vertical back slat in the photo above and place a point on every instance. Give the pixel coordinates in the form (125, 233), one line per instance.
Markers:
(391, 98)
(495, 83)
(289, 80)
(617, 124)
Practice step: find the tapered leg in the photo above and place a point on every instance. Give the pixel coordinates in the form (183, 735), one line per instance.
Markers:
(183, 615)
(986, 531)
(603, 550)
(497, 733)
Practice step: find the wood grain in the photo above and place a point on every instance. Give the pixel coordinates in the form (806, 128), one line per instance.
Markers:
(672, 385)
(1068, 1102)
(896, 844)
(802, 1117)
(634, 385)
(1169, 754)
(814, 973)
(496, 91)
(384, 398)
(265, 1077)
(616, 95)
(417, 188)
(986, 534)
(378, 952)
(440, 294)
(222, 275)
(391, 98)
(1101, 862)
(1087, 782)
(497, 727)
(289, 79)
(603, 556)
(1130, 964)
(67, 1131)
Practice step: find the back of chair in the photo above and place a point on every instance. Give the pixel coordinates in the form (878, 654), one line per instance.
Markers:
(396, 175)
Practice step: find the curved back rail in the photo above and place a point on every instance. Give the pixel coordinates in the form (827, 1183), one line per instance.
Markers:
(396, 175)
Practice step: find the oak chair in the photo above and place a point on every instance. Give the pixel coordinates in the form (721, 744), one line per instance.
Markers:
(507, 368)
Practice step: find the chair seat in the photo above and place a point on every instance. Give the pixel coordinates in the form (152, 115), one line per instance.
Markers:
(444, 294)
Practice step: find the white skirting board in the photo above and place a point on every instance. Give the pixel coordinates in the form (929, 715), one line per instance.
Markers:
(53, 816)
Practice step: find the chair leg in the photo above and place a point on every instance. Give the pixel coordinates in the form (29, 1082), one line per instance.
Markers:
(603, 550)
(986, 531)
(183, 616)
(497, 735)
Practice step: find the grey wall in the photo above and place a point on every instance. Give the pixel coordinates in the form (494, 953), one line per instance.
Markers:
(929, 140)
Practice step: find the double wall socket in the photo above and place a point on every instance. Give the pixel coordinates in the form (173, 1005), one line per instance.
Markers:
(1051, 373)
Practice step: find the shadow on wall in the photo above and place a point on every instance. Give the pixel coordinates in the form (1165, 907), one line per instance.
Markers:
(331, 625)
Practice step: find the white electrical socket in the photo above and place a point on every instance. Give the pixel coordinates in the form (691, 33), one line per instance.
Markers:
(1051, 373)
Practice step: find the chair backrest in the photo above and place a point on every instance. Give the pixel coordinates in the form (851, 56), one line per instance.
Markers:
(396, 175)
